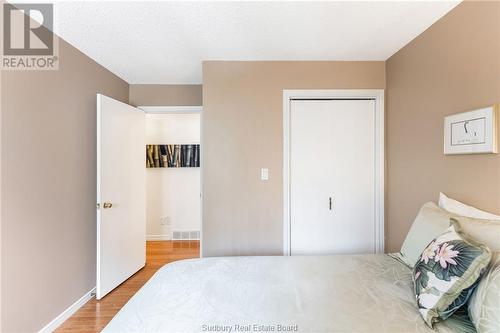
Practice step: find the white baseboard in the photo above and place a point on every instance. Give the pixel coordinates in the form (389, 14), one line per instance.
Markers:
(50, 327)
(158, 237)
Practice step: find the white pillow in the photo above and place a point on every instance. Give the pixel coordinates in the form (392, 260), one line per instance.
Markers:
(462, 209)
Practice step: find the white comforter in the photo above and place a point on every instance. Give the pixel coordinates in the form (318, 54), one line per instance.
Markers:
(359, 293)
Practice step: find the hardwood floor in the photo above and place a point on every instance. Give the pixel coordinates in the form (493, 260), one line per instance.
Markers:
(94, 315)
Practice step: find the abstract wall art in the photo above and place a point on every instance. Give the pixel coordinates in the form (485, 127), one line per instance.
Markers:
(173, 156)
(472, 132)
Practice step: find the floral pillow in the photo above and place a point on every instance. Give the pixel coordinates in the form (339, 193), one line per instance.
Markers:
(447, 273)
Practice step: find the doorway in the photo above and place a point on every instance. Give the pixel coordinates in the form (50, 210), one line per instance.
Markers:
(148, 188)
(333, 172)
(173, 182)
(173, 205)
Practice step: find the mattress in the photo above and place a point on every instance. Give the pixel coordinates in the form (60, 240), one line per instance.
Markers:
(344, 293)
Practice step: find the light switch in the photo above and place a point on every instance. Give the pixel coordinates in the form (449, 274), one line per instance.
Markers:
(264, 174)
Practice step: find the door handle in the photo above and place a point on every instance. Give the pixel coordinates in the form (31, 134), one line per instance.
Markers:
(107, 205)
(330, 202)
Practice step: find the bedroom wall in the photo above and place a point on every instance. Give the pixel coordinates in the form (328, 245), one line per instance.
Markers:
(242, 133)
(452, 67)
(165, 95)
(48, 186)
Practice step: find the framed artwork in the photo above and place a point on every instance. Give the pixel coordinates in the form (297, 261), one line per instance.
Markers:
(173, 156)
(472, 132)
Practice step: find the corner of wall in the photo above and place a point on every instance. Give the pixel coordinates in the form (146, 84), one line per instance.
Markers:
(451, 67)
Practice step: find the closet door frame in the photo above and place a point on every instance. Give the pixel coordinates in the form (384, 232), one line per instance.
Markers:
(378, 96)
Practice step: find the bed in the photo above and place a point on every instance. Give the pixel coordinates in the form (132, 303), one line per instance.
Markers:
(338, 293)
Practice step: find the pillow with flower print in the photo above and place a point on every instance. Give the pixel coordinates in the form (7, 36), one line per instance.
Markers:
(447, 273)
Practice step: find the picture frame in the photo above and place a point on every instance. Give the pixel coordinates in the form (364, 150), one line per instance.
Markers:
(173, 156)
(472, 132)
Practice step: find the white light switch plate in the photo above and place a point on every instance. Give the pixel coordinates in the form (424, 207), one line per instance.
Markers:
(264, 174)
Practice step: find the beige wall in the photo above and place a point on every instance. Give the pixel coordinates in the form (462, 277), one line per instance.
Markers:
(452, 67)
(242, 132)
(49, 187)
(165, 95)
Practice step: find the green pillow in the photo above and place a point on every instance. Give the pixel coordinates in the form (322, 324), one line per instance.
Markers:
(430, 222)
(447, 272)
(484, 304)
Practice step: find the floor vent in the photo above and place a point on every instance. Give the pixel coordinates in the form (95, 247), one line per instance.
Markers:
(186, 235)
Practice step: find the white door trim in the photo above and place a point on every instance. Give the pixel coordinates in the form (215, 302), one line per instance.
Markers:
(171, 109)
(378, 96)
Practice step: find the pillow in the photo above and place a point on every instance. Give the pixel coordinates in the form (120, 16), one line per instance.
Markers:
(484, 304)
(462, 209)
(447, 272)
(430, 222)
(484, 231)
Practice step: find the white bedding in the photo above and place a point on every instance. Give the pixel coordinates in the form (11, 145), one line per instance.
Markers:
(358, 293)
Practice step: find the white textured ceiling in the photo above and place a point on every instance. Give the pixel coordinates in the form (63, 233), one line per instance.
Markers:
(166, 42)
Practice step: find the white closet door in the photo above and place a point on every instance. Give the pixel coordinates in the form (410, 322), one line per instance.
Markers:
(121, 193)
(332, 155)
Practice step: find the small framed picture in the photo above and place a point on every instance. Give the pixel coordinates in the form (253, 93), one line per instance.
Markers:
(472, 132)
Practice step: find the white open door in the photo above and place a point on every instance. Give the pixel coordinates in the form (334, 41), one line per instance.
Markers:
(121, 197)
